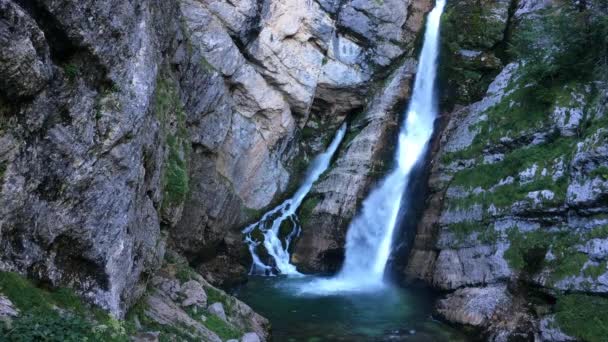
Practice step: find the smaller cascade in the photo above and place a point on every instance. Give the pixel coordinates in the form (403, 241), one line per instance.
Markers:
(268, 228)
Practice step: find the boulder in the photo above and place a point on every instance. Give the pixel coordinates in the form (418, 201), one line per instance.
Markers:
(250, 337)
(473, 305)
(218, 310)
(193, 294)
(7, 308)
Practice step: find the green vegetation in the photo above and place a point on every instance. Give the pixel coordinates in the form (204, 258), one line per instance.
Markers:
(207, 66)
(71, 71)
(468, 26)
(179, 267)
(169, 111)
(176, 182)
(527, 252)
(485, 231)
(167, 332)
(561, 46)
(57, 315)
(221, 328)
(594, 271)
(582, 316)
(486, 176)
(601, 172)
(306, 208)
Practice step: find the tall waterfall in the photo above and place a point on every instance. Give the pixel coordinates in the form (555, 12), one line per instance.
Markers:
(369, 238)
(270, 224)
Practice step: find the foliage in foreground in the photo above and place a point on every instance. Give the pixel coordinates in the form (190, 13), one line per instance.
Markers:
(58, 315)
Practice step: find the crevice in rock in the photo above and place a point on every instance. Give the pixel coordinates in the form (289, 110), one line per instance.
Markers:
(73, 58)
(70, 257)
(62, 48)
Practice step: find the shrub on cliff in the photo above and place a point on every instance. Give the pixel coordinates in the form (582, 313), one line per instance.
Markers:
(563, 45)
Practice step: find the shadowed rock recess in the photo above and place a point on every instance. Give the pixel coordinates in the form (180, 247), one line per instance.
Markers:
(137, 139)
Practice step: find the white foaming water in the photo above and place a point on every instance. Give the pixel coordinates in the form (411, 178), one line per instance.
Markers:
(269, 225)
(369, 238)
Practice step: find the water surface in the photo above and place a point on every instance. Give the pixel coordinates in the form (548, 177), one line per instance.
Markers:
(389, 314)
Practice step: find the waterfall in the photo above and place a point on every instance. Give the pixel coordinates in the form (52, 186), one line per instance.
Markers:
(370, 234)
(269, 226)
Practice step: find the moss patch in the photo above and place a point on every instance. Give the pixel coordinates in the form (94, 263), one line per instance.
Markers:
(221, 328)
(527, 252)
(584, 317)
(169, 111)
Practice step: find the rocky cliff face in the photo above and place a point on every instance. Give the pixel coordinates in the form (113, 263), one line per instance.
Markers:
(516, 219)
(129, 127)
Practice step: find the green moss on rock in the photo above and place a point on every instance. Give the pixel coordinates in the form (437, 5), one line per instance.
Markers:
(169, 111)
(582, 316)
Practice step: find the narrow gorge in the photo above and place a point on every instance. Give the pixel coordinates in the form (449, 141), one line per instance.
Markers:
(304, 170)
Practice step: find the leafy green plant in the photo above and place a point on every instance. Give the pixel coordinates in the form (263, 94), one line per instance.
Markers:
(57, 315)
(562, 45)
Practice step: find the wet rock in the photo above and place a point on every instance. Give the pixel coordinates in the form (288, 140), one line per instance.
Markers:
(223, 271)
(527, 8)
(242, 130)
(333, 200)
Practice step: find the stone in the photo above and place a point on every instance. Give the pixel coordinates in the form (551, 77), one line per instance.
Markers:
(79, 202)
(171, 287)
(25, 65)
(7, 308)
(146, 337)
(470, 266)
(217, 309)
(473, 305)
(320, 246)
(550, 332)
(250, 337)
(547, 209)
(163, 311)
(194, 294)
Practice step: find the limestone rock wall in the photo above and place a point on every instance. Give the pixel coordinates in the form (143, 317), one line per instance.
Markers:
(517, 202)
(129, 126)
